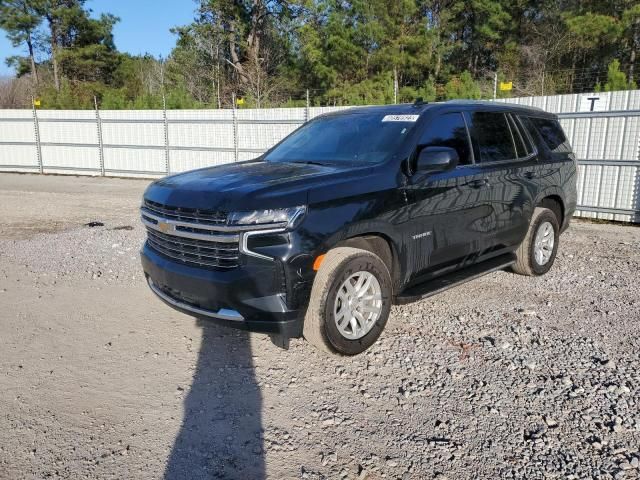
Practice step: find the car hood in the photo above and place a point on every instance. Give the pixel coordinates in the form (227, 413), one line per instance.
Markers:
(250, 185)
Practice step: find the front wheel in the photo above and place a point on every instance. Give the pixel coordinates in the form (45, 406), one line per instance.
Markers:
(350, 302)
(536, 254)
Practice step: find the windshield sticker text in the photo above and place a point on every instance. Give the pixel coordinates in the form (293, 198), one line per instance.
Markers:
(400, 118)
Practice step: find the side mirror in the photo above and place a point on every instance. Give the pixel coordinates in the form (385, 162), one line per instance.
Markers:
(437, 159)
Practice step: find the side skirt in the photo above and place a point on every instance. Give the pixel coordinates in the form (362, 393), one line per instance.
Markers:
(450, 280)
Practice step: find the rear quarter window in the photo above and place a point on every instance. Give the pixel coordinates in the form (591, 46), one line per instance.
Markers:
(550, 133)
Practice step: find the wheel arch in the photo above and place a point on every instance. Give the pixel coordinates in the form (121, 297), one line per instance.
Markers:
(553, 199)
(556, 205)
(381, 245)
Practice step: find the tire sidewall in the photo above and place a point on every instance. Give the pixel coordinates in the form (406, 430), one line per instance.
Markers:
(545, 216)
(367, 263)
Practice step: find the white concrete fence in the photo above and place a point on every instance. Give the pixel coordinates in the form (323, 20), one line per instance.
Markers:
(604, 130)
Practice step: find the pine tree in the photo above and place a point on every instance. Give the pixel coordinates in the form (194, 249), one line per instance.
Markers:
(20, 19)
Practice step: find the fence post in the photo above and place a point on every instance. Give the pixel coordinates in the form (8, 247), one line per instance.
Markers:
(306, 109)
(167, 164)
(100, 144)
(36, 130)
(235, 129)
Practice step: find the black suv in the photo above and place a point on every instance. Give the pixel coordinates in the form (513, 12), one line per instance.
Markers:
(356, 211)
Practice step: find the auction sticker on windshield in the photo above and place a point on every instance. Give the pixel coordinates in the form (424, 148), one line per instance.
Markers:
(400, 118)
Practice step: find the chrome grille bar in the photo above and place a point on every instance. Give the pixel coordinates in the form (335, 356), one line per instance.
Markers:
(192, 250)
(200, 244)
(192, 215)
(181, 229)
(183, 258)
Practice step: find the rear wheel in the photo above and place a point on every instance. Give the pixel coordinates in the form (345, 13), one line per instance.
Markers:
(350, 302)
(537, 253)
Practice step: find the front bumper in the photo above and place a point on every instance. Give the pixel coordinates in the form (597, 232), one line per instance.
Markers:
(251, 297)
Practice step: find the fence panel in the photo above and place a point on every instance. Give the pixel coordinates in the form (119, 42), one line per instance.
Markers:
(607, 145)
(260, 129)
(18, 141)
(133, 142)
(69, 141)
(199, 138)
(604, 130)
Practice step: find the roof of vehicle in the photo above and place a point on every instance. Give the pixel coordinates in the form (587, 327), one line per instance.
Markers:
(421, 107)
(489, 103)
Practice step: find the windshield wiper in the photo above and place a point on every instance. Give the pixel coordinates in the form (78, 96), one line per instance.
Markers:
(313, 162)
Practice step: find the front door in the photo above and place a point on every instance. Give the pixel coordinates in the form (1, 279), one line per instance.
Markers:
(448, 211)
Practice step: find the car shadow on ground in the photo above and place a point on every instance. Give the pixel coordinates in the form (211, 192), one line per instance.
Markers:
(221, 432)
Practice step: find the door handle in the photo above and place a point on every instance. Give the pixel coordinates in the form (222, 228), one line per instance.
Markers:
(484, 182)
(529, 175)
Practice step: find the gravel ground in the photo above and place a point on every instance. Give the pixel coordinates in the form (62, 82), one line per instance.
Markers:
(503, 377)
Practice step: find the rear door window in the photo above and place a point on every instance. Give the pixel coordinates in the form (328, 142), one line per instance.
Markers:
(526, 132)
(491, 136)
(518, 138)
(449, 130)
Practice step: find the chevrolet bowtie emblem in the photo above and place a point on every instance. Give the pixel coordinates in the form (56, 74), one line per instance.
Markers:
(164, 227)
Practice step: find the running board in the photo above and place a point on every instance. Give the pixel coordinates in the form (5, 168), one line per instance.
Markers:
(458, 277)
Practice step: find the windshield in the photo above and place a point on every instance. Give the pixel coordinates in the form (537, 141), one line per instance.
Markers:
(361, 138)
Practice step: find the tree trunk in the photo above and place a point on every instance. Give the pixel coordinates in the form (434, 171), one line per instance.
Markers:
(56, 74)
(54, 49)
(255, 33)
(573, 71)
(634, 47)
(32, 57)
(233, 53)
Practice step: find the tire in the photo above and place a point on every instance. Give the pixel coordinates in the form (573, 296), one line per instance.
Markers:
(527, 262)
(320, 326)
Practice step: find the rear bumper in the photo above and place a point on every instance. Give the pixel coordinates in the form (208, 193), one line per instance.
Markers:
(251, 297)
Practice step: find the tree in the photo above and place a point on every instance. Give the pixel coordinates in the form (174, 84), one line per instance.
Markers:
(631, 22)
(462, 87)
(616, 80)
(88, 52)
(20, 19)
(345, 52)
(250, 32)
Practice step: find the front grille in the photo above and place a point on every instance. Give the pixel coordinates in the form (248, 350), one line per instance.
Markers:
(201, 253)
(191, 215)
(180, 233)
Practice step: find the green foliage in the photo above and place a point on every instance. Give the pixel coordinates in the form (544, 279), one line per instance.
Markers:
(70, 96)
(346, 53)
(592, 30)
(19, 19)
(462, 87)
(427, 92)
(617, 80)
(21, 65)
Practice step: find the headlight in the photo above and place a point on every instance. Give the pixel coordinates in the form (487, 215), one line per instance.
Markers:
(289, 216)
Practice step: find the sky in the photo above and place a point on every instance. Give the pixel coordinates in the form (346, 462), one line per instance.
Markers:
(143, 28)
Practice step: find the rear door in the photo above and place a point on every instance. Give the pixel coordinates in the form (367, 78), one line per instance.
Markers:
(509, 164)
(557, 163)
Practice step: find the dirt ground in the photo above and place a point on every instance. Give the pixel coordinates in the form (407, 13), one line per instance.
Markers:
(504, 377)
